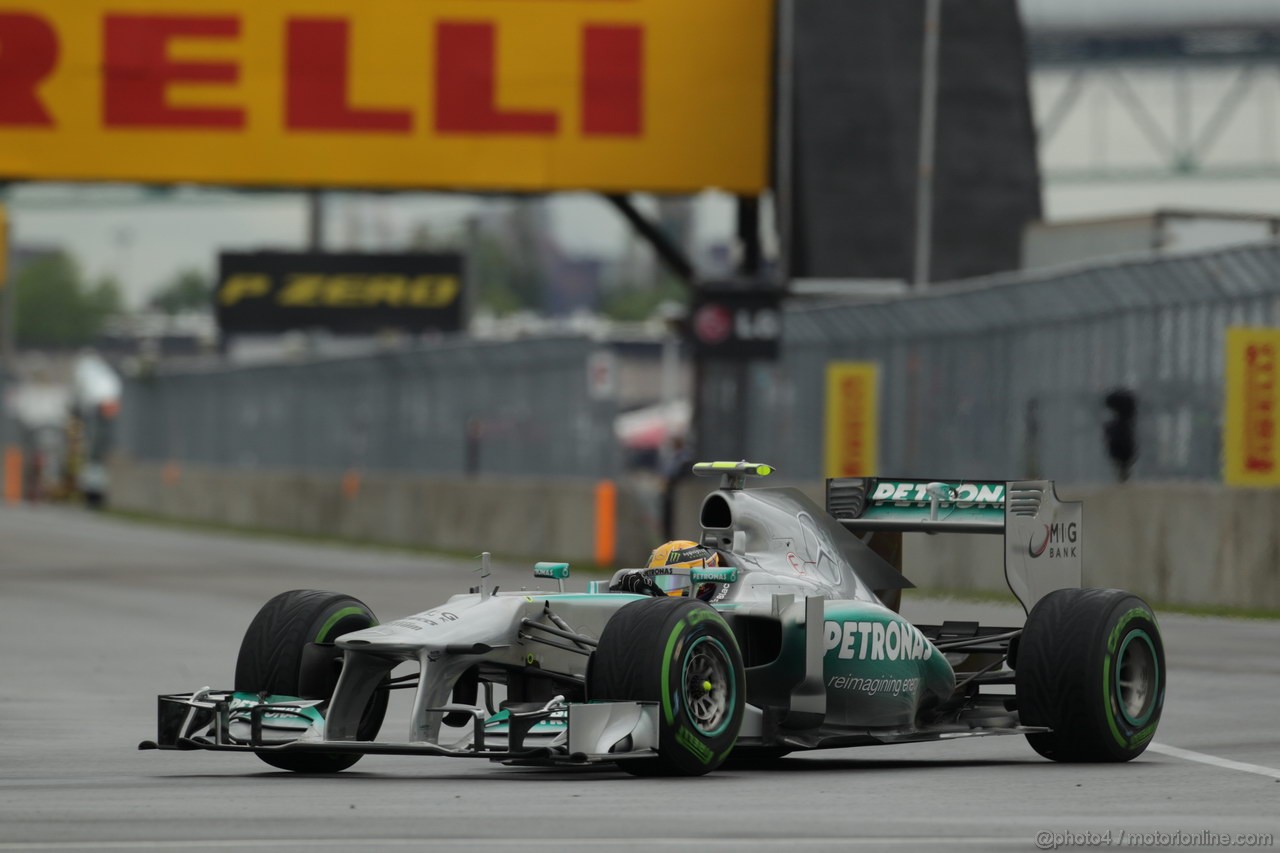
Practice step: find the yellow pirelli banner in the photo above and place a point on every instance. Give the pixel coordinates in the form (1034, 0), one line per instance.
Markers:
(662, 95)
(1251, 456)
(853, 417)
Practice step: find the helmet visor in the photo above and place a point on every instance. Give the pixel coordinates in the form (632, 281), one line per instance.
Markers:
(675, 584)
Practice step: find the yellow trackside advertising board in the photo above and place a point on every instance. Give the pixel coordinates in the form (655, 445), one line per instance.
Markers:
(853, 416)
(1251, 453)
(662, 95)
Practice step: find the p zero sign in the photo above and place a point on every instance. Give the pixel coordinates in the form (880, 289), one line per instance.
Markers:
(468, 94)
(1251, 441)
(345, 293)
(852, 421)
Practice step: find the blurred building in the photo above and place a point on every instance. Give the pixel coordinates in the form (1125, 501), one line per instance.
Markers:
(1118, 16)
(1145, 104)
(23, 255)
(856, 96)
(1048, 244)
(158, 335)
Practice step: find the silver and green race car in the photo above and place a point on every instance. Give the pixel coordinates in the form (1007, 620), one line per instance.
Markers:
(791, 643)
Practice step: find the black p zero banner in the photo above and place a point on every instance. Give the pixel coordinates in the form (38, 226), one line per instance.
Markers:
(344, 293)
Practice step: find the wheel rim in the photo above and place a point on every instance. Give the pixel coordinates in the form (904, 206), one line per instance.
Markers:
(709, 686)
(1137, 678)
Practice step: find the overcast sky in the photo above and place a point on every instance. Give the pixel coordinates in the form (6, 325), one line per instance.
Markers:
(1104, 14)
(143, 244)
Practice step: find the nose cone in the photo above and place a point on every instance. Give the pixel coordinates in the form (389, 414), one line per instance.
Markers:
(464, 621)
(381, 637)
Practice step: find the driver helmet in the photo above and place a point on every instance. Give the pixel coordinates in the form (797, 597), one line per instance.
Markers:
(685, 554)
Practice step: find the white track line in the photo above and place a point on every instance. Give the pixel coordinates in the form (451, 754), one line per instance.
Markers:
(1203, 758)
(683, 843)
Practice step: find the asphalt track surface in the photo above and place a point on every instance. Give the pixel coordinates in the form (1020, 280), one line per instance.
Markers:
(99, 615)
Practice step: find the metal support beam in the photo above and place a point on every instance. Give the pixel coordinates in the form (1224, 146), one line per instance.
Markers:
(752, 259)
(672, 257)
(315, 221)
(1183, 134)
(784, 135)
(8, 302)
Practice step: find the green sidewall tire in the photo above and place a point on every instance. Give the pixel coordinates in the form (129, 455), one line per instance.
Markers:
(645, 653)
(1067, 676)
(273, 659)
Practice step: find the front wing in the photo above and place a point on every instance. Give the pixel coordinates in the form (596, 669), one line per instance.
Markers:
(554, 733)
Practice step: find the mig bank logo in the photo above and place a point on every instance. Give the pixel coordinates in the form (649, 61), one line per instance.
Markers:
(1058, 540)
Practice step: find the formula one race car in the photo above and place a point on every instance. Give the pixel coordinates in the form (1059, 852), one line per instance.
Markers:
(787, 645)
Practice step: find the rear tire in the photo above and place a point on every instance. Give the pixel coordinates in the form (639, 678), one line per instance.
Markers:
(1091, 666)
(274, 659)
(681, 654)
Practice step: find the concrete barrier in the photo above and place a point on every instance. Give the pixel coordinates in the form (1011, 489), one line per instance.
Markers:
(1197, 544)
(1180, 543)
(525, 518)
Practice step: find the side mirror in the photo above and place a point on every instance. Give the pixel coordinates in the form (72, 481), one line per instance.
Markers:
(556, 571)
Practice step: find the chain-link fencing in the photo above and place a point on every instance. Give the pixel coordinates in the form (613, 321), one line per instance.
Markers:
(1005, 376)
(520, 408)
(996, 378)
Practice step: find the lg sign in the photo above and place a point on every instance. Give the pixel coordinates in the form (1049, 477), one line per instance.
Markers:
(139, 77)
(625, 94)
(713, 324)
(730, 322)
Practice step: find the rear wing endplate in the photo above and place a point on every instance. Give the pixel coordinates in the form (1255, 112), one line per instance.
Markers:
(1043, 536)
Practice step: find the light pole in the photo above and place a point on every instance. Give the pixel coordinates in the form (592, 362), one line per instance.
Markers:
(928, 138)
(673, 319)
(315, 220)
(784, 196)
(7, 302)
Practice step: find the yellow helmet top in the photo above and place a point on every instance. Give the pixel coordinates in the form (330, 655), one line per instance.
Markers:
(683, 554)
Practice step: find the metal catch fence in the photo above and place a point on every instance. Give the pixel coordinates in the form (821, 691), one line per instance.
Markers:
(520, 408)
(1005, 376)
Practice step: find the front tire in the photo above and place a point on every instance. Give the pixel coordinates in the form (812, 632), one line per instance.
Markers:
(1091, 666)
(288, 650)
(681, 654)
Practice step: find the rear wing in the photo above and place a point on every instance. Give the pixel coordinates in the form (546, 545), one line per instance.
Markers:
(1043, 536)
